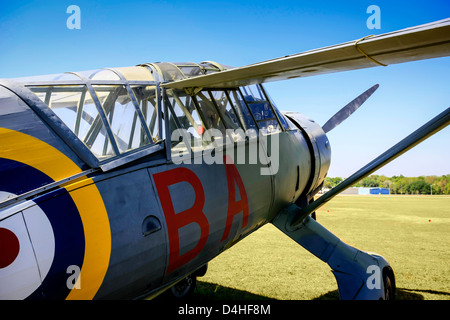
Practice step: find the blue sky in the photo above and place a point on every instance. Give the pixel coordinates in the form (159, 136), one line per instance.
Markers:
(34, 40)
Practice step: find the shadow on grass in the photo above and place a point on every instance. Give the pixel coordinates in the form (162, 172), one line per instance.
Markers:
(211, 291)
(411, 292)
(401, 294)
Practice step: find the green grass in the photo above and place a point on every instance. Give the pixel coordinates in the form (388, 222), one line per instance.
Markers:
(411, 232)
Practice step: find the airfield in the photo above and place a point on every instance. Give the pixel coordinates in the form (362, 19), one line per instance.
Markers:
(411, 232)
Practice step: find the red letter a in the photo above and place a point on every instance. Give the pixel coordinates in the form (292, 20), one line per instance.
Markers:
(234, 207)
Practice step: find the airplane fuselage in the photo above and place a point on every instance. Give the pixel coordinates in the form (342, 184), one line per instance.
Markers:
(142, 219)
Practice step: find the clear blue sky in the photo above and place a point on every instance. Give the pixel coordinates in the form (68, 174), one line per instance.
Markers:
(34, 40)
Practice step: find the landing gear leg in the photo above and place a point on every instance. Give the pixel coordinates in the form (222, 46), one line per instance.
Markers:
(354, 269)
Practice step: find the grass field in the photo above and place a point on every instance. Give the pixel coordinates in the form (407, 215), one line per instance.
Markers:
(411, 232)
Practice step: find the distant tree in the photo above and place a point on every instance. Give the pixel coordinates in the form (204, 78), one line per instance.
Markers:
(408, 185)
(369, 182)
(332, 182)
(440, 183)
(327, 183)
(419, 187)
(436, 189)
(431, 179)
(385, 182)
(446, 189)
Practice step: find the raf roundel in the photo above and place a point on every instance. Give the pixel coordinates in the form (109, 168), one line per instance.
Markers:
(9, 247)
(54, 231)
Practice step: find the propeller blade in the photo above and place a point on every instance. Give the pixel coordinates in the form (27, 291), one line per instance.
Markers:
(346, 111)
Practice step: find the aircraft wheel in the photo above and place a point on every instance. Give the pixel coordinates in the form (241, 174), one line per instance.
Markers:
(185, 288)
(389, 285)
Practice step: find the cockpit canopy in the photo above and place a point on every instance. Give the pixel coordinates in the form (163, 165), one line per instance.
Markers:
(117, 111)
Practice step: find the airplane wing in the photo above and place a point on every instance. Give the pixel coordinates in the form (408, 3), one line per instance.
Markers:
(426, 41)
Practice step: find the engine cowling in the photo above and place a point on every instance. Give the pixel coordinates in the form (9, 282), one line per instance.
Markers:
(319, 148)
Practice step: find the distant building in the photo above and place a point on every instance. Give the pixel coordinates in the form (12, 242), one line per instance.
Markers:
(351, 191)
(366, 191)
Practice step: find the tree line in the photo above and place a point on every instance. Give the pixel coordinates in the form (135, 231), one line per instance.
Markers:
(400, 184)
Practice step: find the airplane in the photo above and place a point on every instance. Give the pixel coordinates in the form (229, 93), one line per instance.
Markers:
(123, 183)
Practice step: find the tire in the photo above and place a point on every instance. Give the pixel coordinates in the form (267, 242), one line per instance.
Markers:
(389, 285)
(184, 289)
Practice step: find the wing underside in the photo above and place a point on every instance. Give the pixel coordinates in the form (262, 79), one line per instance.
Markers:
(426, 41)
